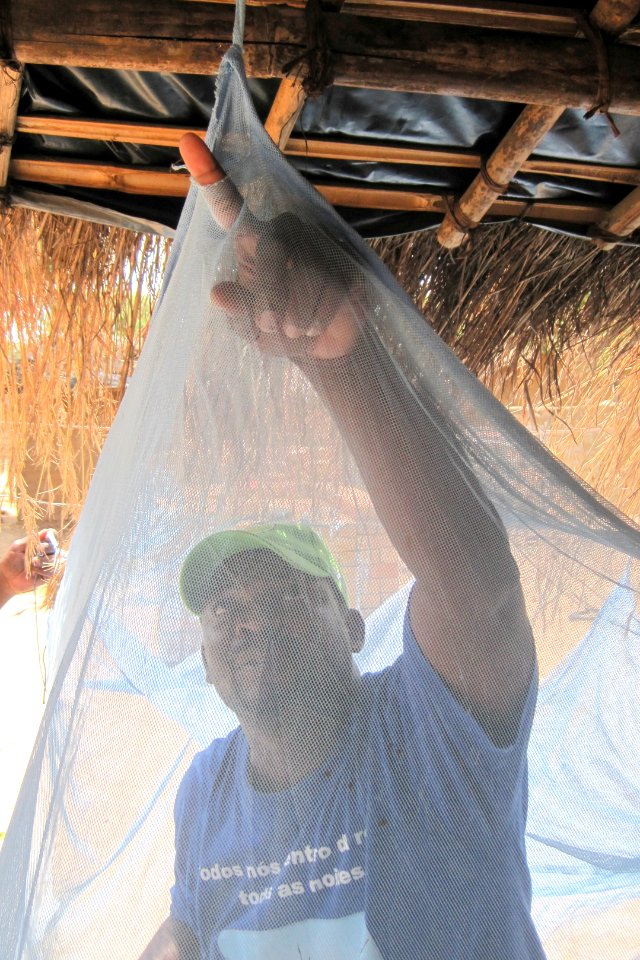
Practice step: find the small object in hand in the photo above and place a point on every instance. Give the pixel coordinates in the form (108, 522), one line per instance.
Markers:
(47, 553)
(50, 543)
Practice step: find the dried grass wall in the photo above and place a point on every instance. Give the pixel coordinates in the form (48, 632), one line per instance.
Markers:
(75, 303)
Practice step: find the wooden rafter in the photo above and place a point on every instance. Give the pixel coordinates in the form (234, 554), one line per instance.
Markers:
(367, 52)
(520, 141)
(116, 131)
(624, 218)
(10, 82)
(144, 181)
(503, 164)
(619, 222)
(351, 150)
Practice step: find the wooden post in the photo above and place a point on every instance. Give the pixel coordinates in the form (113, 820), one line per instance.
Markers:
(10, 83)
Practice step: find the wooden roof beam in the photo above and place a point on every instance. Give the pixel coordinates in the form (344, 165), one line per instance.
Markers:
(292, 92)
(163, 183)
(624, 218)
(116, 131)
(501, 167)
(366, 51)
(532, 125)
(614, 16)
(491, 14)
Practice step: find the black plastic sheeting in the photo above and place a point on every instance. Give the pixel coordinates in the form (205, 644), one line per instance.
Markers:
(391, 118)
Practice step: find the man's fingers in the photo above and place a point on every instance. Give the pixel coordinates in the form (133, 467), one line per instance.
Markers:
(239, 305)
(224, 200)
(199, 161)
(248, 316)
(234, 299)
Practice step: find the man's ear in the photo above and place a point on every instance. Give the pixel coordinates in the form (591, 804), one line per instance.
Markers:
(355, 625)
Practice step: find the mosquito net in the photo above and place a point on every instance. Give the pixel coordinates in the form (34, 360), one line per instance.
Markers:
(293, 655)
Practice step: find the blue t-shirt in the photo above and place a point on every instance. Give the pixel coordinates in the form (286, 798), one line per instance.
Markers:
(407, 844)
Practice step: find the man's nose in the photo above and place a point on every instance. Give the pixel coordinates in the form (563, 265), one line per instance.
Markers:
(251, 619)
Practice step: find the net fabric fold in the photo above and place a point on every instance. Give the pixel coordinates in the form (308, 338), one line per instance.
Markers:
(269, 794)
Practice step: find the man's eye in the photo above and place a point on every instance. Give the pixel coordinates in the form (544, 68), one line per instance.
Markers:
(219, 612)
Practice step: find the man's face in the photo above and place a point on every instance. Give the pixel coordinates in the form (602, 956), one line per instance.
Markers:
(275, 641)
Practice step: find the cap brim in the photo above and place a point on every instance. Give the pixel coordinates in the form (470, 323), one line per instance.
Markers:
(205, 558)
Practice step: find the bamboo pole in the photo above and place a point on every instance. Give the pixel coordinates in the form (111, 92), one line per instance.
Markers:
(613, 16)
(530, 18)
(10, 83)
(116, 131)
(527, 17)
(100, 176)
(352, 150)
(162, 183)
(530, 127)
(520, 141)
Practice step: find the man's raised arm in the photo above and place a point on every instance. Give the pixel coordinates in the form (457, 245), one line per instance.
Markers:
(467, 609)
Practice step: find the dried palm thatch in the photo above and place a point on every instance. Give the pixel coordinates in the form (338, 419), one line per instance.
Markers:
(75, 301)
(517, 293)
(551, 325)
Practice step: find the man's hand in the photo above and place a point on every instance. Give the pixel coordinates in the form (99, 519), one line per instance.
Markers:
(290, 297)
(15, 577)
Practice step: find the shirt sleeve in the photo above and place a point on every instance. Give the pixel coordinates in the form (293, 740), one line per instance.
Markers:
(466, 769)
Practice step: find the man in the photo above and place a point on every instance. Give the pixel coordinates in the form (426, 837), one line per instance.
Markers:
(348, 816)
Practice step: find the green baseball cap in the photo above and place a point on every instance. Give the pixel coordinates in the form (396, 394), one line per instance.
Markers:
(298, 545)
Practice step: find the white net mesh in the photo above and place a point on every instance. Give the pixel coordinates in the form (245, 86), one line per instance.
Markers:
(232, 764)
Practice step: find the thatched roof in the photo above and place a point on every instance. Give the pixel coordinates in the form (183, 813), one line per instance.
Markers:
(516, 292)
